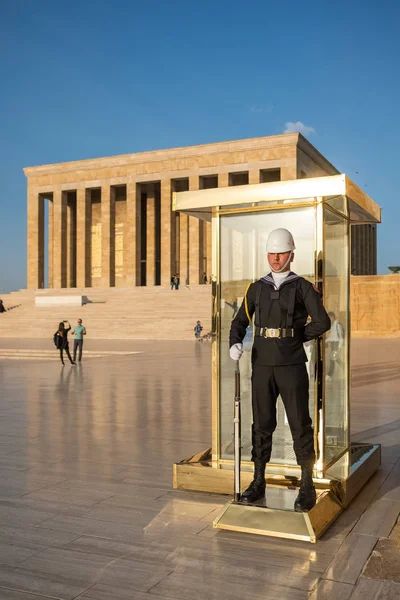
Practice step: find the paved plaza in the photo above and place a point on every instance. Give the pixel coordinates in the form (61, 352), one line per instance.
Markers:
(87, 508)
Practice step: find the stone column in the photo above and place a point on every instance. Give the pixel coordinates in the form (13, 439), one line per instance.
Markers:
(254, 176)
(35, 245)
(166, 234)
(223, 179)
(150, 236)
(68, 244)
(82, 237)
(288, 173)
(50, 241)
(130, 235)
(194, 239)
(107, 236)
(60, 239)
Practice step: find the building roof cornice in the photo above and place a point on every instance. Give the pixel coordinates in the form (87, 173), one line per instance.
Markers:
(304, 145)
(170, 154)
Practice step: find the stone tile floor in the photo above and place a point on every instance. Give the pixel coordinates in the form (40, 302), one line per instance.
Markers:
(86, 504)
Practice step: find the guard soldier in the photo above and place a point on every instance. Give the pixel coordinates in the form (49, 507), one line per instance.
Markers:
(281, 302)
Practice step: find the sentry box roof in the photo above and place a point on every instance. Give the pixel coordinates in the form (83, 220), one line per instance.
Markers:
(360, 208)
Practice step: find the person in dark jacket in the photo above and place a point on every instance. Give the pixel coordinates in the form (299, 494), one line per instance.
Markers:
(61, 336)
(281, 303)
(2, 307)
(198, 328)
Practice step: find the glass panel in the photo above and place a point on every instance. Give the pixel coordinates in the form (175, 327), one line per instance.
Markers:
(243, 259)
(336, 299)
(338, 203)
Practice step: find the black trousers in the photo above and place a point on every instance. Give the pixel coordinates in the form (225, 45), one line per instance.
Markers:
(291, 382)
(66, 350)
(78, 344)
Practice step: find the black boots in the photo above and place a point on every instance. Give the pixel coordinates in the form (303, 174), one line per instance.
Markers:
(256, 489)
(307, 497)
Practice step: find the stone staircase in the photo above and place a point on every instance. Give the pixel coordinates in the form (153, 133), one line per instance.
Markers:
(112, 313)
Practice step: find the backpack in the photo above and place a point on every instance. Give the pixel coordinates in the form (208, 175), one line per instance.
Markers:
(57, 340)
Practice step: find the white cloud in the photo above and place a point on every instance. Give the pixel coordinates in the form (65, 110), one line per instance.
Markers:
(298, 127)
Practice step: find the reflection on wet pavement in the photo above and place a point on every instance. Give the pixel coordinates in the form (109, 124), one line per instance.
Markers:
(87, 507)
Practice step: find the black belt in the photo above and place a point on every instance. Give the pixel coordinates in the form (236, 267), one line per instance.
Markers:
(268, 332)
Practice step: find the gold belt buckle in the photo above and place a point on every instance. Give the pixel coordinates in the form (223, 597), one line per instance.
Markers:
(271, 333)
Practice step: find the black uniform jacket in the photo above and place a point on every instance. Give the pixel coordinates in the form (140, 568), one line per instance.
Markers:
(65, 343)
(273, 313)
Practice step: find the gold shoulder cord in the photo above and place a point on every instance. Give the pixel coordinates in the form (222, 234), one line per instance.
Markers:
(246, 308)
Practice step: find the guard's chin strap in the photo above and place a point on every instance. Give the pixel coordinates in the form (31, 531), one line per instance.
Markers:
(285, 265)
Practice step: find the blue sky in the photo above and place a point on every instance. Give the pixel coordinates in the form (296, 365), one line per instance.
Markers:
(98, 78)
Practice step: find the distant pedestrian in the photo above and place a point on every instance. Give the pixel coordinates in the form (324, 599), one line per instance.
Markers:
(177, 281)
(205, 279)
(2, 307)
(61, 341)
(79, 332)
(172, 282)
(198, 328)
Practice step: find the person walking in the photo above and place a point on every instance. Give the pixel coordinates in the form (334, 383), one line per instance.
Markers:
(2, 307)
(177, 281)
(79, 332)
(281, 303)
(198, 328)
(61, 340)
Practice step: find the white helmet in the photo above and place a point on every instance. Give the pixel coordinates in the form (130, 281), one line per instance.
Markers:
(280, 240)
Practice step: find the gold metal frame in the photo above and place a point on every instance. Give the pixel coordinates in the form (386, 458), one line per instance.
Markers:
(348, 326)
(319, 274)
(346, 219)
(216, 293)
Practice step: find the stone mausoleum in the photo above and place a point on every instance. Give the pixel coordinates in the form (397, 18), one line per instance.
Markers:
(109, 221)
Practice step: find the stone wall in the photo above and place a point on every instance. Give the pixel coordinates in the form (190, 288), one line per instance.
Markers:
(375, 306)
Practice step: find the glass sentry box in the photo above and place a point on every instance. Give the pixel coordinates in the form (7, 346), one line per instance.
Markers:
(319, 212)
